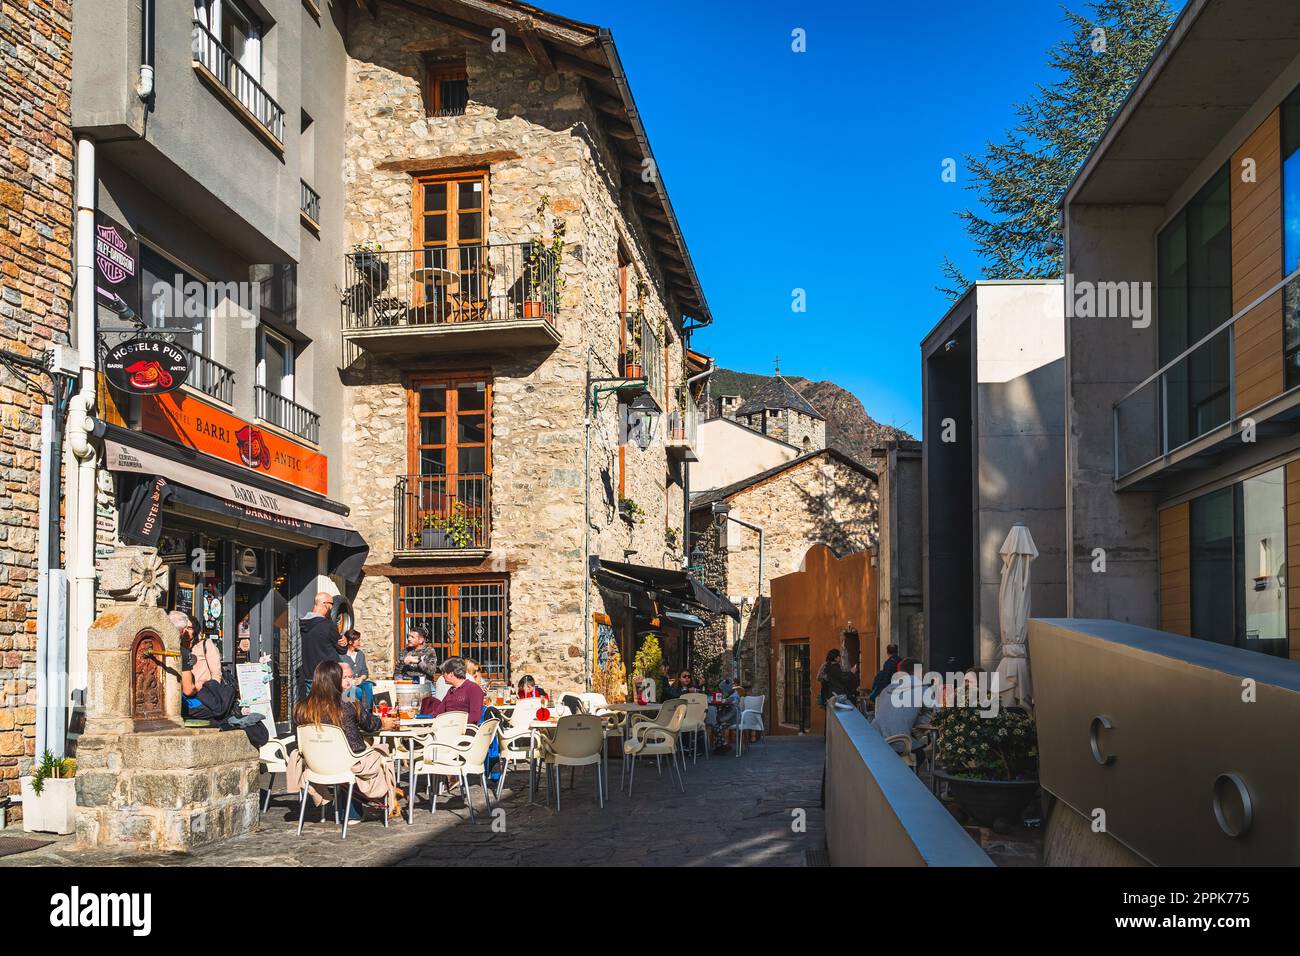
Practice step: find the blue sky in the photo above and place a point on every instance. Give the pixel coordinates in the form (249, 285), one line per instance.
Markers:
(821, 170)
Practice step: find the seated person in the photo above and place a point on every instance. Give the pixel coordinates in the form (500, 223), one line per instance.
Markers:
(685, 683)
(474, 672)
(901, 709)
(462, 694)
(528, 688)
(325, 704)
(726, 715)
(200, 663)
(420, 660)
(362, 689)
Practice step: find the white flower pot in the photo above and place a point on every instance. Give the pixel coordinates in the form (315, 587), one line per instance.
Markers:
(54, 809)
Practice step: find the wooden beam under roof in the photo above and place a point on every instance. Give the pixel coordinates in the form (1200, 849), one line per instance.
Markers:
(463, 27)
(536, 47)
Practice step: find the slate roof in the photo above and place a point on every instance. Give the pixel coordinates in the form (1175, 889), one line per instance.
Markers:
(776, 392)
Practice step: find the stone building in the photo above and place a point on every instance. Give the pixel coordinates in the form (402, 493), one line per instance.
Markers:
(777, 409)
(820, 498)
(518, 292)
(35, 297)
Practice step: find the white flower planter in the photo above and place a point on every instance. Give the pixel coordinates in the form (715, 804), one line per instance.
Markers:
(54, 810)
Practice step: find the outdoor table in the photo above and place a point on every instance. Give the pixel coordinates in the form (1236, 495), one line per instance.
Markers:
(536, 727)
(410, 728)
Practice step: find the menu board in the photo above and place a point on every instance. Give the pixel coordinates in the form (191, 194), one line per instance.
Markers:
(184, 590)
(255, 692)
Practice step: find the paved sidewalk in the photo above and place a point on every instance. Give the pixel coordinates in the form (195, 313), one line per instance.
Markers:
(735, 812)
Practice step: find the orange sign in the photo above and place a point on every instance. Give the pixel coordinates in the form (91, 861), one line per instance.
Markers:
(182, 418)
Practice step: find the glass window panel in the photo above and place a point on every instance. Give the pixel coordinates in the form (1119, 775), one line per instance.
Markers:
(435, 228)
(435, 197)
(1263, 553)
(433, 430)
(471, 226)
(433, 461)
(433, 398)
(470, 196)
(470, 429)
(276, 365)
(1213, 574)
(174, 299)
(471, 461)
(471, 397)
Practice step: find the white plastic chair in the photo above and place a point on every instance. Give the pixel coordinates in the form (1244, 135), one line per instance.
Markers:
(660, 719)
(697, 708)
(516, 740)
(652, 740)
(274, 756)
(751, 718)
(327, 760)
(459, 758)
(578, 741)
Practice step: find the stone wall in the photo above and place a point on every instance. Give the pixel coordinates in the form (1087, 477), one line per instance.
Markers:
(822, 500)
(538, 135)
(35, 296)
(801, 426)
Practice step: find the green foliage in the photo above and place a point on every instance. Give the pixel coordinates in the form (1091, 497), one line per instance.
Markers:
(459, 524)
(1022, 179)
(648, 657)
(51, 768)
(999, 747)
(631, 510)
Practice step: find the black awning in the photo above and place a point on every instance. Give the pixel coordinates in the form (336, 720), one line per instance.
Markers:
(679, 585)
(143, 505)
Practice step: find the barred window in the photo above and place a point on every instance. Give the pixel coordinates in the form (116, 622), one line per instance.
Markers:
(462, 619)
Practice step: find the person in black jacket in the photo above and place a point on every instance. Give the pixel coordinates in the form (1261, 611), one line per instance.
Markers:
(835, 679)
(887, 671)
(320, 639)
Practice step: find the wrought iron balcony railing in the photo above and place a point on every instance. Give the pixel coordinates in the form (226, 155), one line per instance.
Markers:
(1228, 373)
(286, 414)
(442, 512)
(309, 203)
(408, 288)
(683, 419)
(643, 356)
(226, 70)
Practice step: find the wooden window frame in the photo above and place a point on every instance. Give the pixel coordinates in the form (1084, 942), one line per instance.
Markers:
(449, 380)
(437, 72)
(456, 583)
(419, 181)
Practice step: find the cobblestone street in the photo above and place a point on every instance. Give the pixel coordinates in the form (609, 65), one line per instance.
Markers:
(735, 812)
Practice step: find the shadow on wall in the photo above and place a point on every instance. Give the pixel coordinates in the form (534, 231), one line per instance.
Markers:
(845, 515)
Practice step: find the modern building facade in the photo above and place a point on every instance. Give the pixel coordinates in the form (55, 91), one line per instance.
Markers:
(900, 578)
(993, 456)
(517, 300)
(210, 143)
(1182, 328)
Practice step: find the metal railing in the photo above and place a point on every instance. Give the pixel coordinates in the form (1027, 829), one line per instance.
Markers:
(241, 84)
(504, 282)
(286, 414)
(1196, 392)
(683, 420)
(211, 378)
(643, 356)
(309, 202)
(442, 512)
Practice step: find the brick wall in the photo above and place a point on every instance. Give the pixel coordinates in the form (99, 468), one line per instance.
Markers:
(35, 298)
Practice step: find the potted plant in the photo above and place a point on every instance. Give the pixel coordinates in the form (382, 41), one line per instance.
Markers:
(671, 539)
(632, 362)
(545, 257)
(50, 796)
(370, 264)
(630, 511)
(463, 526)
(989, 761)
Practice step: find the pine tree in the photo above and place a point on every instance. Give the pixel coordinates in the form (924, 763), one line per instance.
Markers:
(1021, 180)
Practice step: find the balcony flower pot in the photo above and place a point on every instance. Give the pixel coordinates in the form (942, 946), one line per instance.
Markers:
(435, 539)
(991, 803)
(371, 267)
(535, 309)
(632, 370)
(54, 809)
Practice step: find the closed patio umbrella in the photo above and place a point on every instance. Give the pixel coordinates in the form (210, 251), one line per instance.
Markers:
(1013, 615)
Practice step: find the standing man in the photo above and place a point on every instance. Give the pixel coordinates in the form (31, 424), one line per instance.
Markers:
(320, 639)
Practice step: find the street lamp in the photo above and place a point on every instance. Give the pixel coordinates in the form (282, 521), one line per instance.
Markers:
(642, 417)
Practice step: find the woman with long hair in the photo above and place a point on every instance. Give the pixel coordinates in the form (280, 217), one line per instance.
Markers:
(326, 705)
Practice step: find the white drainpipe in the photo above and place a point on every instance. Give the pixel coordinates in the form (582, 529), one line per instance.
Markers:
(81, 423)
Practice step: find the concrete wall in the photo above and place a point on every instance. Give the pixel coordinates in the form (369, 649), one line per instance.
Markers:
(878, 812)
(900, 569)
(1020, 459)
(1105, 358)
(730, 452)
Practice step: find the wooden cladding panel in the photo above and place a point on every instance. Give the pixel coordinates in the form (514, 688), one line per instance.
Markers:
(1257, 266)
(1293, 558)
(1176, 570)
